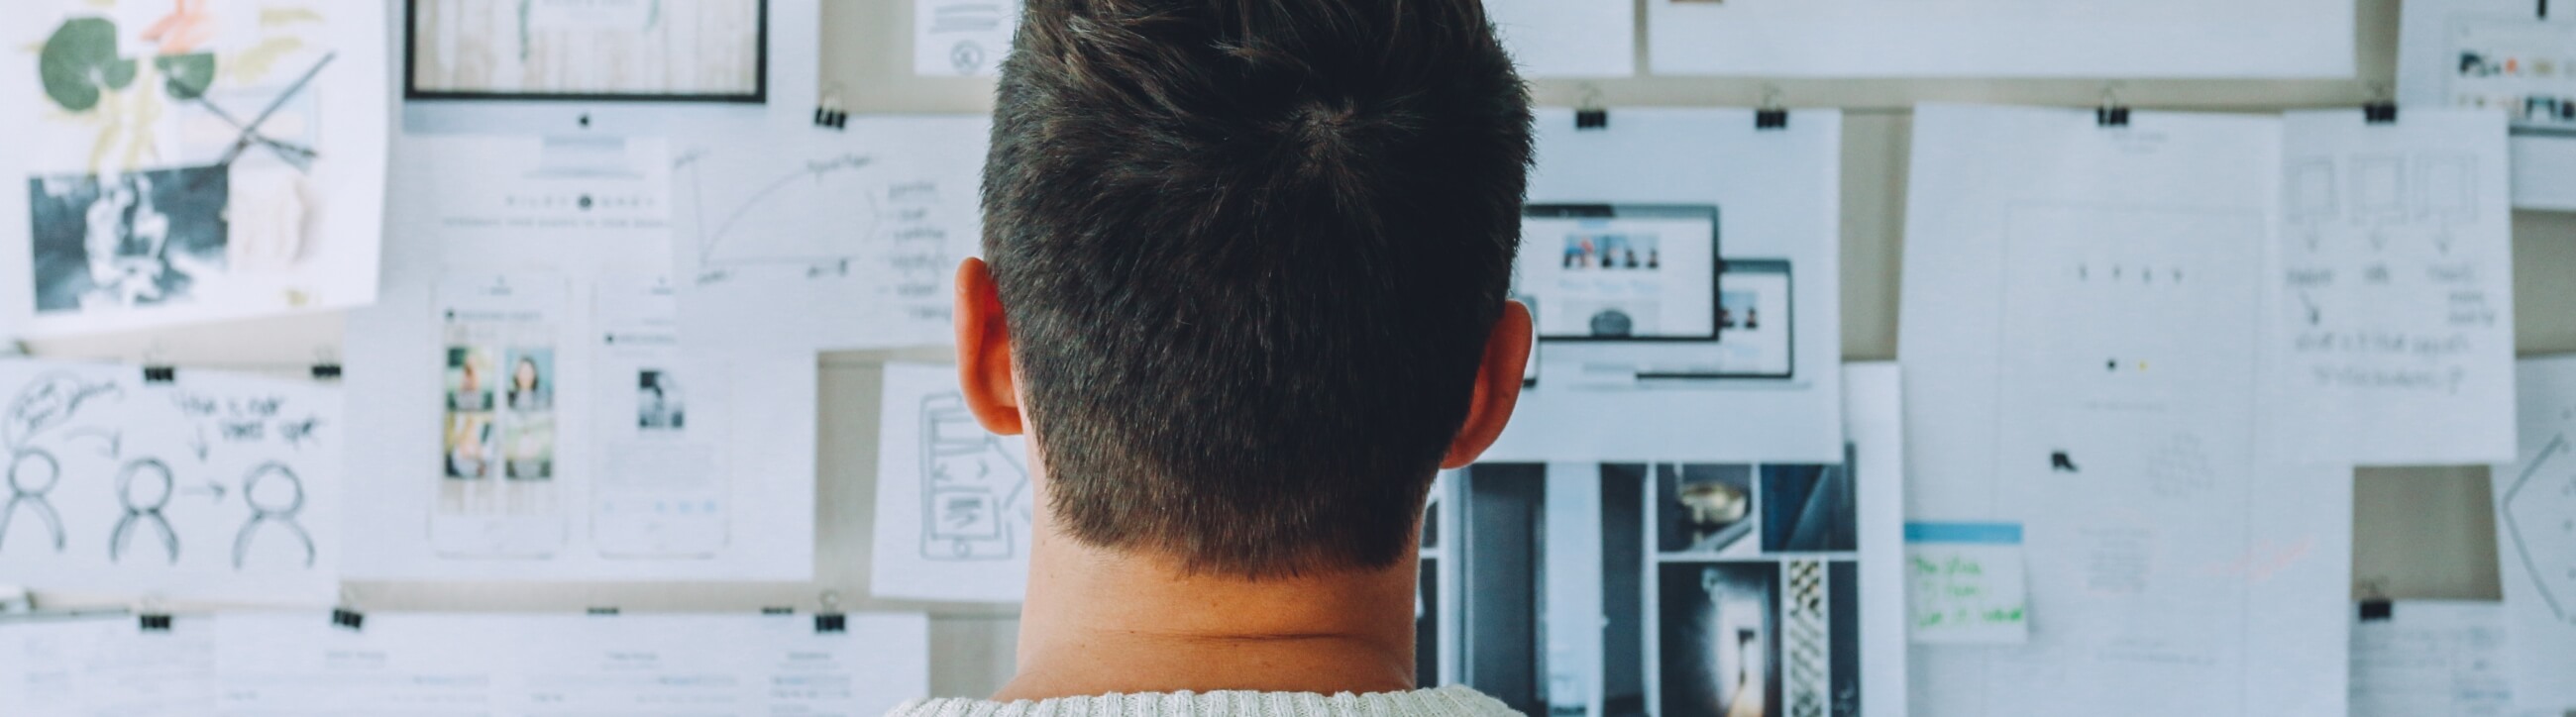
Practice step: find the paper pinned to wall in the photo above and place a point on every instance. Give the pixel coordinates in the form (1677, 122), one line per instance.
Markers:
(2393, 296)
(189, 163)
(2001, 38)
(513, 664)
(962, 38)
(2080, 359)
(2432, 658)
(953, 501)
(2506, 56)
(106, 665)
(209, 485)
(535, 410)
(1965, 584)
(1567, 38)
(821, 240)
(2536, 536)
(1768, 388)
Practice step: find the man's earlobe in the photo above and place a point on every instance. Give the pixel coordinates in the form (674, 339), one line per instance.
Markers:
(1498, 387)
(984, 370)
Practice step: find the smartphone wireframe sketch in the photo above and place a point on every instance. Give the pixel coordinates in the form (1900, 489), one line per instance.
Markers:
(969, 486)
(496, 494)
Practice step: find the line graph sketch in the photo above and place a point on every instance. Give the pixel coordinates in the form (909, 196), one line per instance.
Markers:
(818, 216)
(859, 231)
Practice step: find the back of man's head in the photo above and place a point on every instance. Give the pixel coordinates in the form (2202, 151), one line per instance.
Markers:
(1250, 252)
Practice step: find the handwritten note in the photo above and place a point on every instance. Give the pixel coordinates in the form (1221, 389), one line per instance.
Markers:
(1965, 584)
(2393, 299)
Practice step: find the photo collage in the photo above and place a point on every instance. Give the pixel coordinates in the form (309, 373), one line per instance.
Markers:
(499, 427)
(1648, 589)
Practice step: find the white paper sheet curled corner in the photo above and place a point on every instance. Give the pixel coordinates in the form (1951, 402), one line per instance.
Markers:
(953, 501)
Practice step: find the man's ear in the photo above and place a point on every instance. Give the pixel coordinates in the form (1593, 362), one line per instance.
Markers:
(1498, 387)
(984, 371)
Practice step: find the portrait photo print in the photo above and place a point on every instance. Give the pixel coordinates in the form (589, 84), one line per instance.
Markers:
(119, 240)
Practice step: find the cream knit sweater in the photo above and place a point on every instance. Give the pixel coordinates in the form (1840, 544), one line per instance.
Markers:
(1442, 702)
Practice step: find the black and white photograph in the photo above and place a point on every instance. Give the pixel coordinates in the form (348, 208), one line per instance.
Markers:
(124, 240)
(658, 402)
(1720, 639)
(1703, 508)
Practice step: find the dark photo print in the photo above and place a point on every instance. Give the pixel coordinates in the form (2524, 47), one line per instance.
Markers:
(141, 239)
(1720, 639)
(658, 405)
(1702, 508)
(1808, 508)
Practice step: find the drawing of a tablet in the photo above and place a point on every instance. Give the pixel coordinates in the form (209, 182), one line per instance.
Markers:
(1621, 272)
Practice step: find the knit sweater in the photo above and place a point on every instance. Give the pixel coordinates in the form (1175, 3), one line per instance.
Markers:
(1442, 702)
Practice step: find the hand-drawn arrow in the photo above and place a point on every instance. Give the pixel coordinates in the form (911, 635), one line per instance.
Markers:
(213, 489)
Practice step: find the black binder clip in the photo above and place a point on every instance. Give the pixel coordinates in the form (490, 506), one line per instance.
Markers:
(2111, 113)
(347, 619)
(326, 366)
(152, 622)
(828, 113)
(1589, 114)
(829, 620)
(2378, 610)
(160, 374)
(1771, 116)
(2379, 113)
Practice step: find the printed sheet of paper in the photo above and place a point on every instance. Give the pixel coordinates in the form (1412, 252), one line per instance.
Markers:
(1723, 587)
(1768, 388)
(2505, 56)
(2080, 359)
(2394, 291)
(2433, 658)
(1568, 38)
(106, 665)
(2001, 38)
(820, 240)
(953, 501)
(1965, 584)
(962, 38)
(2536, 536)
(189, 162)
(211, 485)
(499, 664)
(534, 410)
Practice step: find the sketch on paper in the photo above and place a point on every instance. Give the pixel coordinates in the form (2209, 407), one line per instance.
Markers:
(194, 484)
(183, 159)
(955, 504)
(867, 226)
(2537, 513)
(964, 38)
(968, 485)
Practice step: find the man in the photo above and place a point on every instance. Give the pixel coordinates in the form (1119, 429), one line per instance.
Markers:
(1245, 298)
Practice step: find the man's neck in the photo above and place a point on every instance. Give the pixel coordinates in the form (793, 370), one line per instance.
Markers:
(1099, 622)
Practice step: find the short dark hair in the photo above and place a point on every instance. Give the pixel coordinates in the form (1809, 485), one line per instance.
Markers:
(1249, 254)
